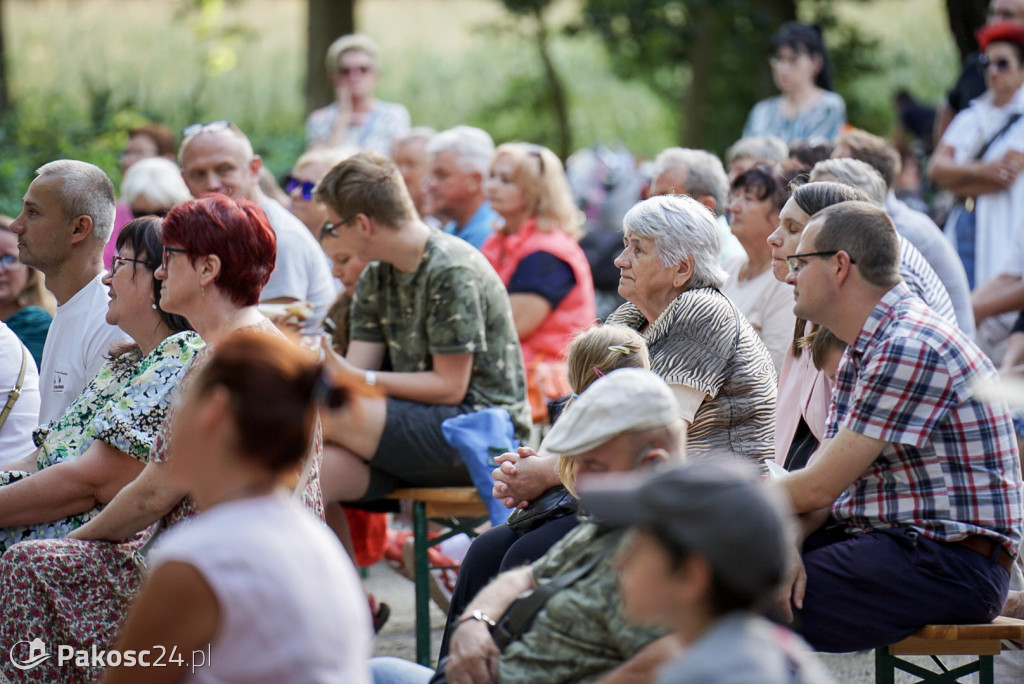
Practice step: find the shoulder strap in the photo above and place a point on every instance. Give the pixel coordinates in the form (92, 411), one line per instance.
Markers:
(519, 616)
(998, 134)
(16, 392)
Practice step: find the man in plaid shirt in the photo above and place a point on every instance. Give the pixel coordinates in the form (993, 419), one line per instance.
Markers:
(914, 499)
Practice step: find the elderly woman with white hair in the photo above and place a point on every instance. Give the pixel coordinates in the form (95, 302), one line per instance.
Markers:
(699, 342)
(356, 118)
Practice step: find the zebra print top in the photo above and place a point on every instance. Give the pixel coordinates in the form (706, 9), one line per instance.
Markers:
(701, 340)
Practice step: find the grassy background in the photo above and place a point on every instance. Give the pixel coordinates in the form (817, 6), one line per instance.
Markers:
(83, 71)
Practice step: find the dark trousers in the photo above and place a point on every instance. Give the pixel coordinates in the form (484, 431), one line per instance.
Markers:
(873, 589)
(493, 552)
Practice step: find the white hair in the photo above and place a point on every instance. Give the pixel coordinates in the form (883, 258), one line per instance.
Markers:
(156, 179)
(680, 226)
(705, 174)
(853, 172)
(762, 148)
(473, 146)
(86, 191)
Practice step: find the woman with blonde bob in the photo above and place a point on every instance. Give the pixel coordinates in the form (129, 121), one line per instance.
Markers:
(535, 251)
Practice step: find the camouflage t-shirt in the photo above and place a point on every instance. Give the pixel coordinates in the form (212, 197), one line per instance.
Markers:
(453, 303)
(581, 632)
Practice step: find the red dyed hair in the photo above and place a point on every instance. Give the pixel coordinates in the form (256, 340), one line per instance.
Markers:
(236, 230)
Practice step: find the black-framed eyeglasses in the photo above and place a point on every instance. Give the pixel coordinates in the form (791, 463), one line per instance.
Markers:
(1001, 64)
(291, 184)
(794, 265)
(211, 127)
(168, 251)
(10, 262)
(332, 228)
(117, 261)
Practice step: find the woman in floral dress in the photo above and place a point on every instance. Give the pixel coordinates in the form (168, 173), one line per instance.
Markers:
(103, 439)
(218, 255)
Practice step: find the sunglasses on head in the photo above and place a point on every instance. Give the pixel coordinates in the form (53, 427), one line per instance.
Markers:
(291, 184)
(211, 127)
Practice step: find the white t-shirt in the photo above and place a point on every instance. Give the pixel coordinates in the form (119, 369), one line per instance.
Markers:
(291, 605)
(76, 346)
(301, 271)
(16, 432)
(767, 304)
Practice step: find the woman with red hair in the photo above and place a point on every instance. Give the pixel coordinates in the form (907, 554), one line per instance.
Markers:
(218, 254)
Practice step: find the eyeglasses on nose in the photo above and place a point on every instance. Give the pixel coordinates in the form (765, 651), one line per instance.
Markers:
(168, 251)
(1001, 64)
(793, 263)
(117, 261)
(291, 184)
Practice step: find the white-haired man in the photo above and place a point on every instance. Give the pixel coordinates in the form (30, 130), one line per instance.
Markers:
(699, 174)
(410, 156)
(460, 160)
(217, 157)
(66, 218)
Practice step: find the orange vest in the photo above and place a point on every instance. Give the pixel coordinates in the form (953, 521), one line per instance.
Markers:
(575, 313)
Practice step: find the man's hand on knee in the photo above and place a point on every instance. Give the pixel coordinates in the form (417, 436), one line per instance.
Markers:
(792, 592)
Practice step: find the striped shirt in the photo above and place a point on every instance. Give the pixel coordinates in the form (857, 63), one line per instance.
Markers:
(701, 340)
(951, 468)
(922, 280)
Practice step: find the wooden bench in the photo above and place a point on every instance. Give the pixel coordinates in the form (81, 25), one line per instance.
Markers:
(460, 510)
(983, 641)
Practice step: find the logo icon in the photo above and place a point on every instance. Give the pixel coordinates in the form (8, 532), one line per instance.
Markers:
(36, 654)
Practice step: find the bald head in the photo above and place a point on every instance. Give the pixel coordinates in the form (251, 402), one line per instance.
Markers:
(220, 161)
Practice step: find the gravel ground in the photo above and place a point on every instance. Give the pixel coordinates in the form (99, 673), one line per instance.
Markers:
(398, 638)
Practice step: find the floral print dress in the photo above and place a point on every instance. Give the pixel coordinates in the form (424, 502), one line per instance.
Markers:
(124, 406)
(74, 592)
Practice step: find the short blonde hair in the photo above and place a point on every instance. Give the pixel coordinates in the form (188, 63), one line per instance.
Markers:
(347, 43)
(539, 174)
(594, 353)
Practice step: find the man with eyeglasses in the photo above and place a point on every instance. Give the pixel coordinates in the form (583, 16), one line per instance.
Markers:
(915, 493)
(66, 218)
(217, 157)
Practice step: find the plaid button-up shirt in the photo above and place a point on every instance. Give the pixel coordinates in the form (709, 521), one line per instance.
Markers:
(951, 468)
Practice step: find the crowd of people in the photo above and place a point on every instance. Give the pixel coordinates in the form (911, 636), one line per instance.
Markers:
(766, 435)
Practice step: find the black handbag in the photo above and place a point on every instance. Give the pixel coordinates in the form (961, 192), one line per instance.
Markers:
(553, 504)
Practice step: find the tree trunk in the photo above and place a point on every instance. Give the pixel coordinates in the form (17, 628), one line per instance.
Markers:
(328, 20)
(728, 57)
(557, 88)
(5, 96)
(965, 16)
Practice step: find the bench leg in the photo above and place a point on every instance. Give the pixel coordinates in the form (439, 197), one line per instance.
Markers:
(885, 666)
(986, 675)
(420, 544)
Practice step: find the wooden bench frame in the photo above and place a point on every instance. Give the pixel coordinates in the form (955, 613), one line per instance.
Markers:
(461, 511)
(983, 641)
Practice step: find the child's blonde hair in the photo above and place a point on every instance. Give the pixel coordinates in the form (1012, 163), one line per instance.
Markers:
(592, 354)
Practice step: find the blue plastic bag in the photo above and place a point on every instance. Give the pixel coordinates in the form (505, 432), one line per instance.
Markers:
(480, 437)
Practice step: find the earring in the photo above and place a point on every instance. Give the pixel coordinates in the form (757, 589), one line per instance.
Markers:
(154, 306)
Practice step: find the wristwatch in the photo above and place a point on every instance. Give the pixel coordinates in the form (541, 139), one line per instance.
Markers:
(371, 378)
(480, 616)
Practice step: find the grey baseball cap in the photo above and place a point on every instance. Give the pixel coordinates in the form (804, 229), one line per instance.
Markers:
(625, 400)
(715, 507)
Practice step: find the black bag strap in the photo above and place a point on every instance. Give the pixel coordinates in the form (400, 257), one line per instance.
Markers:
(519, 616)
(998, 134)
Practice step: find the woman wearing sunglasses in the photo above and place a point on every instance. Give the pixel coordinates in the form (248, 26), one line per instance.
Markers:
(980, 158)
(307, 172)
(103, 439)
(536, 253)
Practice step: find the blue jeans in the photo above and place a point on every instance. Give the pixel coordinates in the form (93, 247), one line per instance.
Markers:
(873, 589)
(388, 670)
